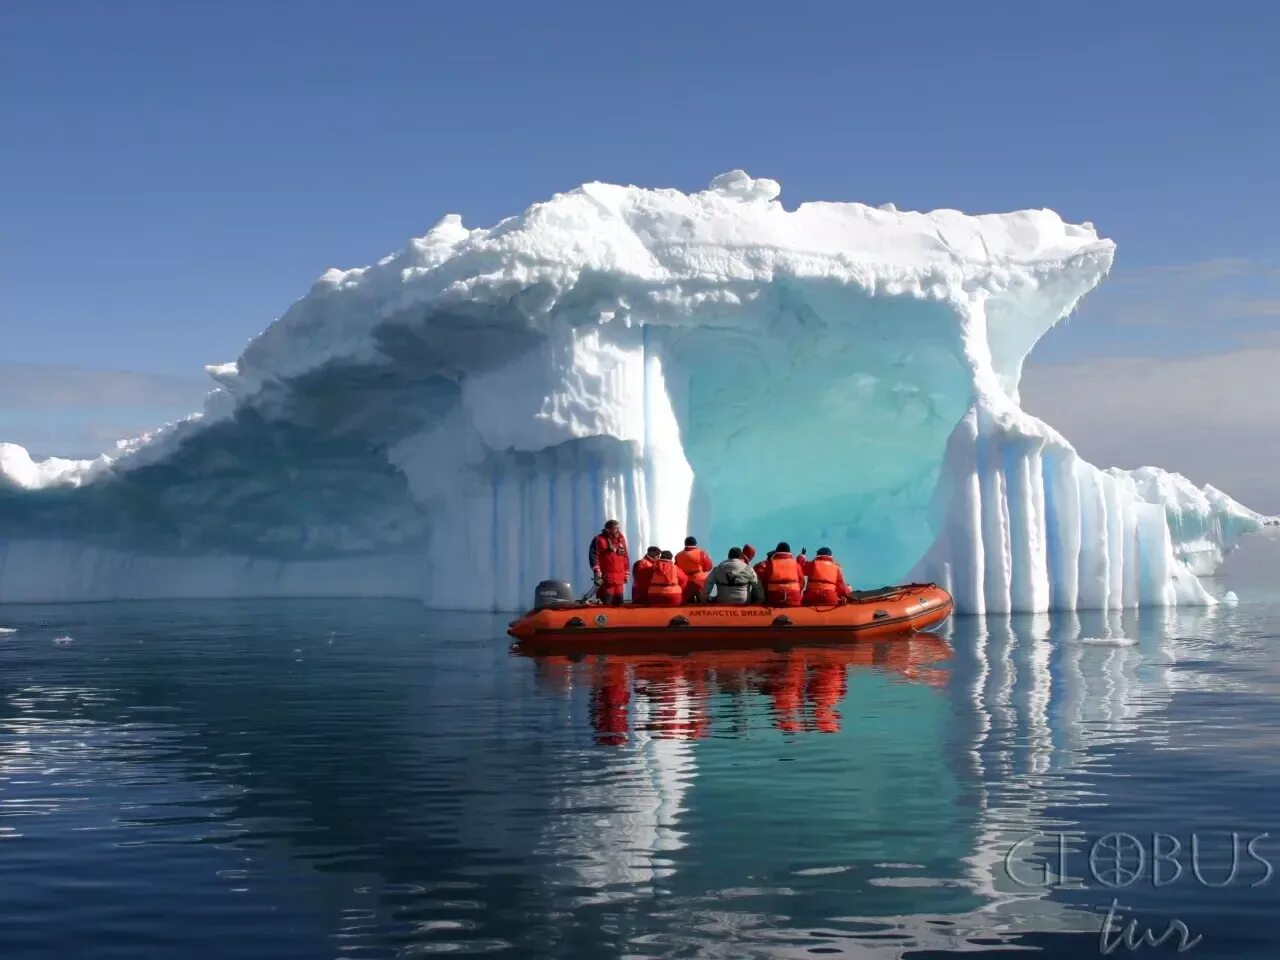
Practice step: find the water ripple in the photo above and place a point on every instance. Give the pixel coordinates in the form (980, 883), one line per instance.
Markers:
(366, 780)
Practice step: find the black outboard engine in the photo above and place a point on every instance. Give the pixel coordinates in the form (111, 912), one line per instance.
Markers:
(550, 594)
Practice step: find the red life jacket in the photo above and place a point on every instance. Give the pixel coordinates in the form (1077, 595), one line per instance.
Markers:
(783, 572)
(825, 582)
(824, 571)
(640, 572)
(782, 581)
(664, 581)
(611, 557)
(696, 562)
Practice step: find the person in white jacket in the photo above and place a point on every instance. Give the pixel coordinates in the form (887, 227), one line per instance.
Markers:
(732, 581)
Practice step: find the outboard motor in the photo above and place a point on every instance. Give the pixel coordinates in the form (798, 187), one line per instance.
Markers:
(550, 594)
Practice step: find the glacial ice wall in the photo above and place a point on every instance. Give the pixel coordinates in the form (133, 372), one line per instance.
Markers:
(454, 422)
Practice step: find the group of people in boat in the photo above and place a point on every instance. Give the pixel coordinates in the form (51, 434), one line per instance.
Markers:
(664, 579)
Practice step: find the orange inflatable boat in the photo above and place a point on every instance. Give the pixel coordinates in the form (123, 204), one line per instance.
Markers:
(559, 624)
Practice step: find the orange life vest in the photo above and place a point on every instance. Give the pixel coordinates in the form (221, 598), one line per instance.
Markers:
(664, 579)
(783, 572)
(696, 563)
(824, 571)
(640, 571)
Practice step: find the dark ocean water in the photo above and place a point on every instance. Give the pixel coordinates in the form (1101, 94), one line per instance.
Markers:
(365, 779)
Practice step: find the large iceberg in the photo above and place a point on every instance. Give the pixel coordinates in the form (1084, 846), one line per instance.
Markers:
(454, 422)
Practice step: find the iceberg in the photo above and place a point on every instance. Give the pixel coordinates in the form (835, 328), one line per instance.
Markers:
(454, 422)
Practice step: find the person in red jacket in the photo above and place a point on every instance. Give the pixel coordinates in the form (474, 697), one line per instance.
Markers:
(783, 577)
(696, 564)
(667, 583)
(640, 571)
(759, 567)
(826, 585)
(610, 564)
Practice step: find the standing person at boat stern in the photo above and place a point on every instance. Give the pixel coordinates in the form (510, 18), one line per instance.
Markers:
(610, 564)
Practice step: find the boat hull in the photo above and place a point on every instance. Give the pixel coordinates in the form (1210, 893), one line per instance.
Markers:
(878, 614)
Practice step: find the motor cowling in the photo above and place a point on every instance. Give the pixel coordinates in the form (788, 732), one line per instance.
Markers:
(553, 593)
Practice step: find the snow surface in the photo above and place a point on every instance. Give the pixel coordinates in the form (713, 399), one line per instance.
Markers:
(454, 422)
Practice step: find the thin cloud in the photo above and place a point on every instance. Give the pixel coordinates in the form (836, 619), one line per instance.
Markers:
(72, 411)
(1256, 308)
(1209, 305)
(1214, 418)
(1196, 271)
(30, 386)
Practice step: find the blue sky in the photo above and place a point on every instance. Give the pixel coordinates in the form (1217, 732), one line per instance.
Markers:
(175, 174)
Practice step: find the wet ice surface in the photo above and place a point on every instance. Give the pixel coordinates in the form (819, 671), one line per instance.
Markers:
(494, 393)
(365, 779)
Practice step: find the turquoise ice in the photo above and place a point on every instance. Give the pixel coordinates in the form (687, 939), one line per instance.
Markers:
(455, 421)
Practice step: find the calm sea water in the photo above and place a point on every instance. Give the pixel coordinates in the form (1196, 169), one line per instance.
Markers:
(365, 779)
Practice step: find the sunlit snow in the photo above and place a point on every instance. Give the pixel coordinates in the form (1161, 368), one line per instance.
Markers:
(454, 422)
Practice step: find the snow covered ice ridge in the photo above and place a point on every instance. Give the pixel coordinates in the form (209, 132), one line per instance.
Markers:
(454, 422)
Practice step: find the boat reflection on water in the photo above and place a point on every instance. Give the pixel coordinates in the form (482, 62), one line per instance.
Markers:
(676, 726)
(663, 695)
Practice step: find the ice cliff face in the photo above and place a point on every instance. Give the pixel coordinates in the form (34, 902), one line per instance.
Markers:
(454, 422)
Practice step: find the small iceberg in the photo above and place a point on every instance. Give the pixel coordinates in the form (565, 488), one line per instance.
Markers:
(1230, 599)
(63, 640)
